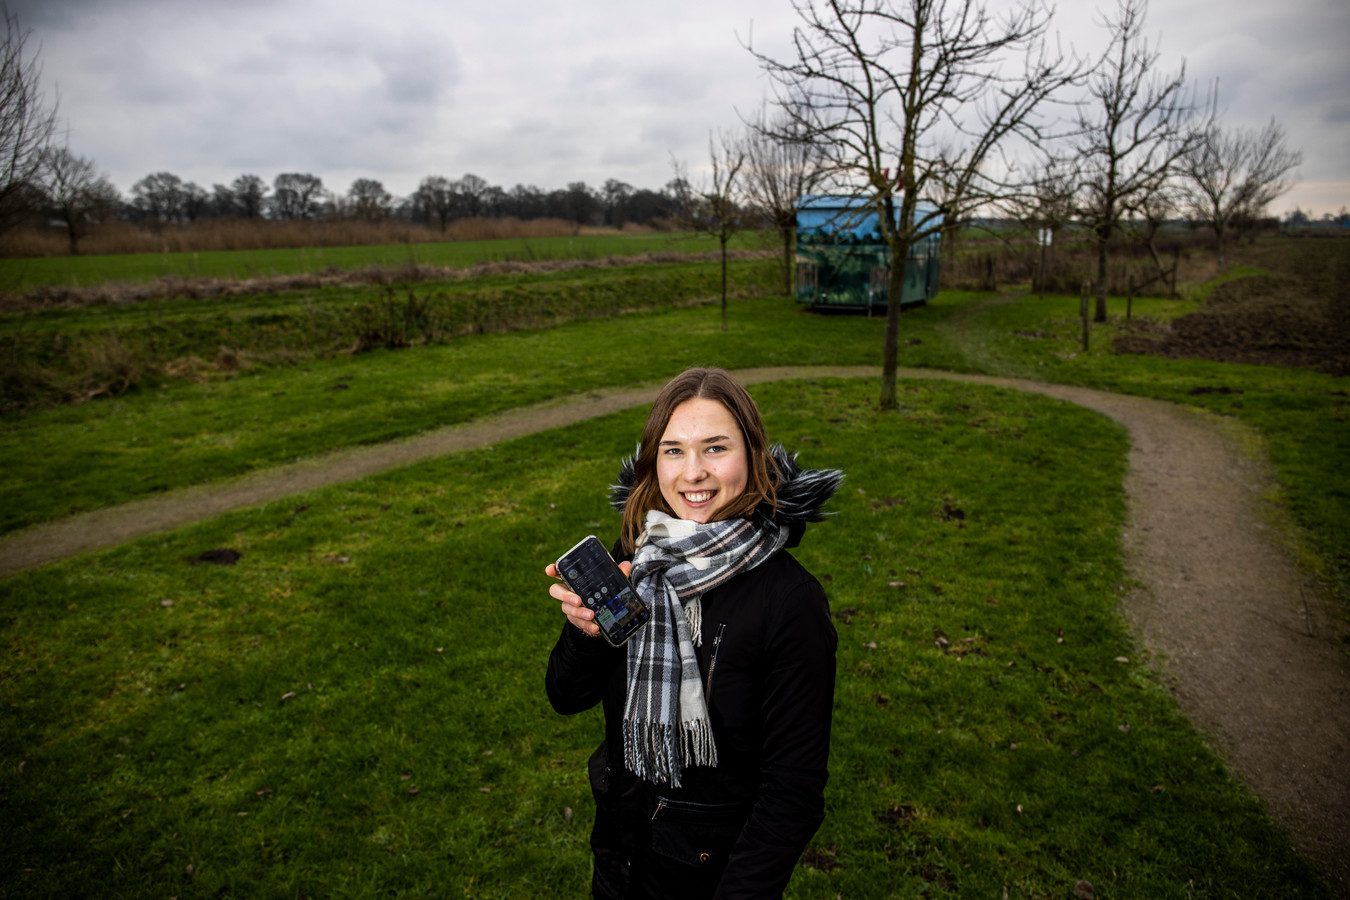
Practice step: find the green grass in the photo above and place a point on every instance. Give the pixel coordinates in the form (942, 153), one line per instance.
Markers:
(356, 708)
(157, 439)
(150, 313)
(58, 355)
(25, 274)
(1302, 417)
(72, 459)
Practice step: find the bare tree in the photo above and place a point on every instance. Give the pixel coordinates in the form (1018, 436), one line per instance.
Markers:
(470, 192)
(196, 202)
(297, 195)
(26, 123)
(615, 194)
(1046, 206)
(369, 199)
(1132, 130)
(717, 208)
(250, 196)
(580, 204)
(77, 192)
(907, 95)
(779, 171)
(1228, 175)
(437, 197)
(1054, 187)
(159, 198)
(1148, 211)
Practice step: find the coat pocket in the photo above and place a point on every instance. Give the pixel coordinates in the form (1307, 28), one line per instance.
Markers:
(597, 769)
(698, 835)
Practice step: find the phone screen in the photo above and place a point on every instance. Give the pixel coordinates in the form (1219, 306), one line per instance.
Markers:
(593, 575)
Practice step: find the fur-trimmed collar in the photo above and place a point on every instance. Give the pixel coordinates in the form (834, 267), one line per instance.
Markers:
(802, 493)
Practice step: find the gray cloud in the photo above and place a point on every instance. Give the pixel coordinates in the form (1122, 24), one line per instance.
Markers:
(548, 93)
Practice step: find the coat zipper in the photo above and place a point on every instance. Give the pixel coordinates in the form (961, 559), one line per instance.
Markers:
(712, 664)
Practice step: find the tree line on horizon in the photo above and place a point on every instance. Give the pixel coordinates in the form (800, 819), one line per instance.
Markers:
(69, 191)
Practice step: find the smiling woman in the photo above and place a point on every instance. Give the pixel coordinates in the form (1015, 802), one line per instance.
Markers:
(702, 465)
(703, 436)
(717, 713)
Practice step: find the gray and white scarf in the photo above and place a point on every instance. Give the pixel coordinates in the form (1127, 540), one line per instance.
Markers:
(666, 726)
(665, 720)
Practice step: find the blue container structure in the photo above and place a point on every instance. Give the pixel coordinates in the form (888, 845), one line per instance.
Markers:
(843, 262)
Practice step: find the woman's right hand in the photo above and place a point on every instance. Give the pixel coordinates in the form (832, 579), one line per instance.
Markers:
(572, 607)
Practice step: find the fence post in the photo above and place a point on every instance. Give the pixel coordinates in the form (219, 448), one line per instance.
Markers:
(1044, 246)
(1176, 261)
(1129, 298)
(1083, 311)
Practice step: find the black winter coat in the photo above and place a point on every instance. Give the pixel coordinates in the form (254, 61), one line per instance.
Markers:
(737, 829)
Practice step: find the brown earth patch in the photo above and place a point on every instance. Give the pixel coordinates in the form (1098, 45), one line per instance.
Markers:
(1299, 318)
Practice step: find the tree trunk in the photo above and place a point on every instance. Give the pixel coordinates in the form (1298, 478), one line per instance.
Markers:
(788, 261)
(891, 347)
(1101, 281)
(724, 282)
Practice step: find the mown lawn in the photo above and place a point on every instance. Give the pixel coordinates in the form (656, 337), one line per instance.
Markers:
(173, 433)
(1302, 417)
(355, 707)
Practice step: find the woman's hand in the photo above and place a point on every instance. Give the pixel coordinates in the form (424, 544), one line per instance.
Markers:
(572, 607)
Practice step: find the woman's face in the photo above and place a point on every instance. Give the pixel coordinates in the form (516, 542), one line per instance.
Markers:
(702, 462)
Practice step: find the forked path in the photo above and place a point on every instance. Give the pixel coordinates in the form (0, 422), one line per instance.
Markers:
(1247, 643)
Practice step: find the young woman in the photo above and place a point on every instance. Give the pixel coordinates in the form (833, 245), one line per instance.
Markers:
(710, 779)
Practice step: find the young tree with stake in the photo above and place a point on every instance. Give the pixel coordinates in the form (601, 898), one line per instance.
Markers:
(905, 95)
(1132, 131)
(717, 208)
(779, 171)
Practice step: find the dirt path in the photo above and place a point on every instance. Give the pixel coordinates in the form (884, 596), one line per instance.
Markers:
(1246, 643)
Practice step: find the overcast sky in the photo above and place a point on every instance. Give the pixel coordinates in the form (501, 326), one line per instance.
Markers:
(544, 92)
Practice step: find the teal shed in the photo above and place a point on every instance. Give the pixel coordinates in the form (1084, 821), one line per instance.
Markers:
(843, 262)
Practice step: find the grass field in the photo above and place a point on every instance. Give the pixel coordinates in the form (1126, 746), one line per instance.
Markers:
(355, 708)
(179, 433)
(57, 355)
(25, 274)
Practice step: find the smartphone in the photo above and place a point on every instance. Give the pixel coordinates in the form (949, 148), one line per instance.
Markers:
(592, 574)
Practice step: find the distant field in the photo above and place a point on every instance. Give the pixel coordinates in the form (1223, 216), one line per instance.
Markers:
(19, 275)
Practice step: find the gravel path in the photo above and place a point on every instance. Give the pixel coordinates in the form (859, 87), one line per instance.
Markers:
(1243, 639)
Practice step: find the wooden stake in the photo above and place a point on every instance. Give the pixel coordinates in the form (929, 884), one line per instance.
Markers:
(1083, 311)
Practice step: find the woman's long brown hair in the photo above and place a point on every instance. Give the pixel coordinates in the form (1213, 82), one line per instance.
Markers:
(705, 384)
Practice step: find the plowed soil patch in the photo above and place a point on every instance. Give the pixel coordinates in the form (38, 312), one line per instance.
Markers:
(1299, 318)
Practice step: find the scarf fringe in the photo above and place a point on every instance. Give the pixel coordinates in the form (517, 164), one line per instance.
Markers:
(696, 740)
(651, 754)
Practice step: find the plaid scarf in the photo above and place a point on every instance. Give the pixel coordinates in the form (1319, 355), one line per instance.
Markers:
(665, 720)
